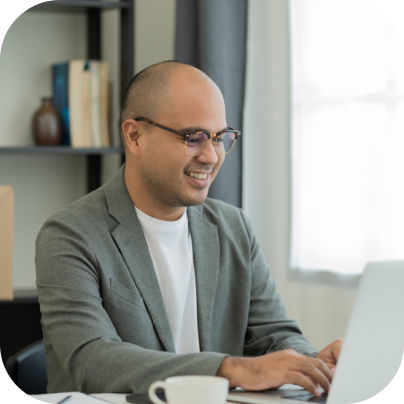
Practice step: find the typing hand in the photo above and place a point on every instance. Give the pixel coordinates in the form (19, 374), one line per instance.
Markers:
(330, 354)
(276, 369)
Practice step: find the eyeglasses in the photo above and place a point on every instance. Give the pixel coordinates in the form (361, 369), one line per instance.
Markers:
(195, 142)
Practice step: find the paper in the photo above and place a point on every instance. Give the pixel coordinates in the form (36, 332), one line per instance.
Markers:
(6, 242)
(76, 398)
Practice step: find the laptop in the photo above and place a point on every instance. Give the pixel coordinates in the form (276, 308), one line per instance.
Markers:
(373, 346)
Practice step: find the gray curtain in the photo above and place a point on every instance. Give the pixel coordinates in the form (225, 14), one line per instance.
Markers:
(211, 35)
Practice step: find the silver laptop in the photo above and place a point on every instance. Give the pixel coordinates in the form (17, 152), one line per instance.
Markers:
(373, 346)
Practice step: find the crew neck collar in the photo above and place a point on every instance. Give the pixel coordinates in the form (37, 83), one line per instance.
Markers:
(161, 225)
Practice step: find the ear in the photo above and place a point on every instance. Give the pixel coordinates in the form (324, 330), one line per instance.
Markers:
(132, 132)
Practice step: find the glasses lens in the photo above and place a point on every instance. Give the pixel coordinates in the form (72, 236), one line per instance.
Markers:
(196, 143)
(225, 142)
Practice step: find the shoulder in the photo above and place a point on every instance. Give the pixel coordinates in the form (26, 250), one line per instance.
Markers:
(98, 208)
(81, 216)
(217, 208)
(224, 215)
(86, 208)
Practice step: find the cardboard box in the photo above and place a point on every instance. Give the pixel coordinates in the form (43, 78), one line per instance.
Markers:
(6, 242)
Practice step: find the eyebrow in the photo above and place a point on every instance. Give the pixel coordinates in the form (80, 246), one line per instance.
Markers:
(197, 129)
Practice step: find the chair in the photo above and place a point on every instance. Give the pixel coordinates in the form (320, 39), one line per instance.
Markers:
(27, 369)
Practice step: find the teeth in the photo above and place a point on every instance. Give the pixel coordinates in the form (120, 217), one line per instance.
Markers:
(200, 176)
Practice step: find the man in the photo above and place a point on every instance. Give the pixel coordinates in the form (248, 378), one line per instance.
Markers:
(147, 278)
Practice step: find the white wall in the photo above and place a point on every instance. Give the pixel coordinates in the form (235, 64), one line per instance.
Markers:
(154, 32)
(36, 40)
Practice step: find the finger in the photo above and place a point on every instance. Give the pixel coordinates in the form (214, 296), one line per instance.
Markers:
(331, 367)
(315, 368)
(336, 348)
(331, 352)
(317, 385)
(303, 381)
(324, 368)
(309, 369)
(318, 363)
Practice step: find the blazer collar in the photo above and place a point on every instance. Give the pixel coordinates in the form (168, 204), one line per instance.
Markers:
(130, 240)
(129, 237)
(206, 251)
(119, 203)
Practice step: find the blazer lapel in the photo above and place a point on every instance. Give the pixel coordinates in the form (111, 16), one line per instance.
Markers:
(205, 245)
(132, 244)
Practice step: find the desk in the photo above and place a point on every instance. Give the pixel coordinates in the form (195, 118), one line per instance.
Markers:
(112, 397)
(267, 397)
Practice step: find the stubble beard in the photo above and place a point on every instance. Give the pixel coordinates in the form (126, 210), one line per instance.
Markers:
(168, 193)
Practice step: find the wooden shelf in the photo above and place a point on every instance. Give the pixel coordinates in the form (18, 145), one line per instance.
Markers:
(79, 5)
(23, 296)
(49, 150)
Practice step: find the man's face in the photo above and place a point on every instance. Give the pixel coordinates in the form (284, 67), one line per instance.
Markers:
(193, 104)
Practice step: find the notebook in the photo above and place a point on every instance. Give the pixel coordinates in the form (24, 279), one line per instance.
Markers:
(373, 346)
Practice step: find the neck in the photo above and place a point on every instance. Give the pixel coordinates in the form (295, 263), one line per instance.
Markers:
(147, 204)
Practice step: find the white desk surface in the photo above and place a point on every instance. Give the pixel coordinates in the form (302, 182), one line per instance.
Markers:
(112, 397)
(266, 397)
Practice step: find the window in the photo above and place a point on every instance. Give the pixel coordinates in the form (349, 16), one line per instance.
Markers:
(347, 136)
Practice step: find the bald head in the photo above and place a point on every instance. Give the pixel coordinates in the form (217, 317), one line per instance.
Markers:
(158, 163)
(147, 95)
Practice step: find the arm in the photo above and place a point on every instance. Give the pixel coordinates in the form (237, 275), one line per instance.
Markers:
(281, 353)
(269, 328)
(84, 351)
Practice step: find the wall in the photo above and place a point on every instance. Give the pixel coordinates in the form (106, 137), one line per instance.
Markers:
(36, 40)
(155, 31)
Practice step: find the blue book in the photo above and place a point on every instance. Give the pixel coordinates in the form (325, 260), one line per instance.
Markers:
(60, 97)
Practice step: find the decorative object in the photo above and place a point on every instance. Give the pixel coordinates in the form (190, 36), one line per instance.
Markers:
(47, 124)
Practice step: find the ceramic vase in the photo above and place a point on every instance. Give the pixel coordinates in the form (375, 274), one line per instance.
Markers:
(47, 124)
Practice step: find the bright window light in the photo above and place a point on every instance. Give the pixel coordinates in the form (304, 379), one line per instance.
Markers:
(347, 136)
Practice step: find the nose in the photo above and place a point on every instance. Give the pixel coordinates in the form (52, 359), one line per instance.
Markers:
(208, 155)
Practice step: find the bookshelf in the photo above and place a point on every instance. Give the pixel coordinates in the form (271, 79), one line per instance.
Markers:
(92, 9)
(25, 305)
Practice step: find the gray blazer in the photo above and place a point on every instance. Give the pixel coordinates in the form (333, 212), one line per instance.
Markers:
(103, 317)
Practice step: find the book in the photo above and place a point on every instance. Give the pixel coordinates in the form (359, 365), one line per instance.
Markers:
(60, 98)
(6, 242)
(86, 106)
(81, 91)
(77, 104)
(104, 103)
(95, 103)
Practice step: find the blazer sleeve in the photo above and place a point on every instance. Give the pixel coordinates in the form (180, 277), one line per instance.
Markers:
(269, 329)
(84, 351)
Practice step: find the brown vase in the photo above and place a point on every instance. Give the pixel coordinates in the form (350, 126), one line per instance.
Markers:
(47, 124)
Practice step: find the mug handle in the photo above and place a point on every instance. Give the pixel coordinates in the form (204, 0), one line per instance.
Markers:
(152, 392)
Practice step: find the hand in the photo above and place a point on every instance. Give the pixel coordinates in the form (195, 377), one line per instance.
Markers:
(276, 369)
(330, 354)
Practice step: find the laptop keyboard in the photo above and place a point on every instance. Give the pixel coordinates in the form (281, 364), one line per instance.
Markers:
(309, 398)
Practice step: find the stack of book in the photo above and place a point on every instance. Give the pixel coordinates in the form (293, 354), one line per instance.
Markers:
(80, 94)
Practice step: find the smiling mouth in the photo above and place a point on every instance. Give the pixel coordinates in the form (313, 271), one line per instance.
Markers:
(199, 176)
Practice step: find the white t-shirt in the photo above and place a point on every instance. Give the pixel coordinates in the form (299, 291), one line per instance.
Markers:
(170, 247)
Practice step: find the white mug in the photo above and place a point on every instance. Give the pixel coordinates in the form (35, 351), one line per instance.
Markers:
(191, 390)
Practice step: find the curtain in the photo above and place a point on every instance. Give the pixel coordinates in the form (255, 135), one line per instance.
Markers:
(211, 35)
(321, 308)
(347, 136)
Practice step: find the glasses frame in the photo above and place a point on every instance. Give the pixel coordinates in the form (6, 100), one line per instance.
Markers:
(187, 135)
